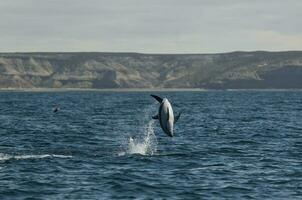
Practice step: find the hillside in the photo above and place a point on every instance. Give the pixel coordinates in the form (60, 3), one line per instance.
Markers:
(236, 70)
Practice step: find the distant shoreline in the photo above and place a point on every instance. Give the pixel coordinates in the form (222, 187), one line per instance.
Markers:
(141, 72)
(101, 89)
(134, 89)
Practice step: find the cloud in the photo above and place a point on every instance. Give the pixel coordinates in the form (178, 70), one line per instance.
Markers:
(277, 40)
(171, 26)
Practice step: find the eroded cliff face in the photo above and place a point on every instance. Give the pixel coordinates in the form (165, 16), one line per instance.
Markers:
(130, 70)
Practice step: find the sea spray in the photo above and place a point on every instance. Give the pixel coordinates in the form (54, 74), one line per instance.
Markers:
(145, 146)
(143, 142)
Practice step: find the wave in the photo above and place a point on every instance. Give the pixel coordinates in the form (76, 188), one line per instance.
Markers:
(4, 157)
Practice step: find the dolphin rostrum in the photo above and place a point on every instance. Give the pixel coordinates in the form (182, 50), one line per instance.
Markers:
(165, 115)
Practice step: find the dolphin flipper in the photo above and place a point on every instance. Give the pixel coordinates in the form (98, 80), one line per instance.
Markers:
(157, 98)
(155, 116)
(177, 117)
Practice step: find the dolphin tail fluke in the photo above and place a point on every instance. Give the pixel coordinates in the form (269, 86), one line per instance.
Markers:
(155, 117)
(157, 98)
(177, 117)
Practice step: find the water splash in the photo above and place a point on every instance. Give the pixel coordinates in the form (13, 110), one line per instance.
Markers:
(146, 146)
(144, 143)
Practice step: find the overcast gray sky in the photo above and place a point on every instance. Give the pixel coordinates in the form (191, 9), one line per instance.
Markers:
(150, 26)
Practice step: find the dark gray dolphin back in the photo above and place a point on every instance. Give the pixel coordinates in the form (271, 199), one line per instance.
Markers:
(163, 125)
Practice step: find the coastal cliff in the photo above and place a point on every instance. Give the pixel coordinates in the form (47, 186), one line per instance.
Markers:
(236, 70)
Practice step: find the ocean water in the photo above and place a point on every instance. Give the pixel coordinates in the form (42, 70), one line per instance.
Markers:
(104, 145)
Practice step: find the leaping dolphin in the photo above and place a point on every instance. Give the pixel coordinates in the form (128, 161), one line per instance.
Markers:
(165, 115)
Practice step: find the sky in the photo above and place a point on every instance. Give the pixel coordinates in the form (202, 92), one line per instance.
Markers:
(150, 26)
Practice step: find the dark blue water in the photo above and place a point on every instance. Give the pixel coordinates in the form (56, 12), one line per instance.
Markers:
(104, 145)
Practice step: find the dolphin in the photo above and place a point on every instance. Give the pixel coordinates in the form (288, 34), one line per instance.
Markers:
(165, 115)
(56, 109)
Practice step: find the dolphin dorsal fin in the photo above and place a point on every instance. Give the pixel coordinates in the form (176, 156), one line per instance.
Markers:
(177, 117)
(157, 98)
(155, 117)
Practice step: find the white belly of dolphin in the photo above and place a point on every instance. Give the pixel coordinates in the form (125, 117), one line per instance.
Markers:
(166, 117)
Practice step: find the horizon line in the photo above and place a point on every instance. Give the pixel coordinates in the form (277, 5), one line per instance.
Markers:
(160, 53)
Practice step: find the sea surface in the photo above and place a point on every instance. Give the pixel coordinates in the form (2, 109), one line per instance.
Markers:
(104, 145)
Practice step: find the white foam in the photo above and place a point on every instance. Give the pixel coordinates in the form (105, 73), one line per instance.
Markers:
(4, 157)
(145, 146)
(145, 141)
